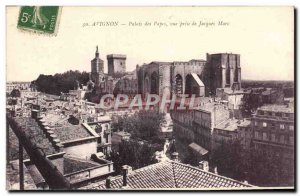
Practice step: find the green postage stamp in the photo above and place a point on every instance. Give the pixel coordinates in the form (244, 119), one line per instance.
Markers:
(42, 19)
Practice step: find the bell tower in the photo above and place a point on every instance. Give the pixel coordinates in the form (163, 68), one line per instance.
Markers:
(97, 69)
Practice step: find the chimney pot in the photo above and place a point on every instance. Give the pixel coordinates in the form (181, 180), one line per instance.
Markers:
(204, 165)
(216, 170)
(125, 170)
(175, 156)
(108, 181)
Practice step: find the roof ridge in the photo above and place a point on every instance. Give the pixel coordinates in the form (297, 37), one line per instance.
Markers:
(217, 175)
(81, 160)
(145, 168)
(174, 176)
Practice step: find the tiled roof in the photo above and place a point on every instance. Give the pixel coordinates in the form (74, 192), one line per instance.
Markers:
(170, 175)
(192, 177)
(72, 132)
(55, 119)
(74, 164)
(36, 134)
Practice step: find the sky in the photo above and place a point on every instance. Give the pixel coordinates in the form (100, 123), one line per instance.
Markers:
(263, 36)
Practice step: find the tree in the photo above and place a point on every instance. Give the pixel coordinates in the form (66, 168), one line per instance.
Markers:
(230, 159)
(144, 125)
(258, 167)
(60, 82)
(134, 153)
(15, 93)
(250, 103)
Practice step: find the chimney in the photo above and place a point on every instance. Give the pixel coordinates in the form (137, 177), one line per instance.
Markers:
(107, 183)
(204, 165)
(174, 156)
(216, 170)
(125, 170)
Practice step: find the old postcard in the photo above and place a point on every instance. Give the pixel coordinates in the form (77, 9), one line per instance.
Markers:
(150, 98)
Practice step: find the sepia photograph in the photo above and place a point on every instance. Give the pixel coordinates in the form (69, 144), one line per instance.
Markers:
(159, 98)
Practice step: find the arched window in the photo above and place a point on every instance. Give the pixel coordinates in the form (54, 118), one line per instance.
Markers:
(179, 84)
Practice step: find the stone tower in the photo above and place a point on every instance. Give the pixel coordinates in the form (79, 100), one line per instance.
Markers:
(225, 71)
(116, 64)
(97, 69)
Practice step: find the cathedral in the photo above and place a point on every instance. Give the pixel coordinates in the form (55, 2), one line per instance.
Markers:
(117, 80)
(199, 77)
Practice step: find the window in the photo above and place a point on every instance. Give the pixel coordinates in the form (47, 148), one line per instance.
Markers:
(265, 136)
(256, 134)
(291, 127)
(273, 139)
(264, 124)
(282, 139)
(278, 114)
(281, 126)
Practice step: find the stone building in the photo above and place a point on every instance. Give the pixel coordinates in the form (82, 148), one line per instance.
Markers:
(198, 125)
(245, 133)
(225, 132)
(232, 130)
(171, 78)
(116, 64)
(198, 77)
(97, 69)
(273, 129)
(117, 80)
(225, 71)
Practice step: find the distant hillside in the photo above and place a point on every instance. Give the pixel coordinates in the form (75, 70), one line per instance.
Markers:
(60, 82)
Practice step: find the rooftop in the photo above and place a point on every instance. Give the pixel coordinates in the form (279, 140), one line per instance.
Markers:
(72, 132)
(116, 56)
(219, 111)
(170, 174)
(36, 134)
(228, 125)
(277, 108)
(73, 164)
(244, 123)
(230, 91)
(55, 119)
(198, 148)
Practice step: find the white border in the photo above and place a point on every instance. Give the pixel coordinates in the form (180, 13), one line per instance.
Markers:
(4, 3)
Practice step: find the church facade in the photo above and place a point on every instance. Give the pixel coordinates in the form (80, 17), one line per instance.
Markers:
(196, 77)
(199, 77)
